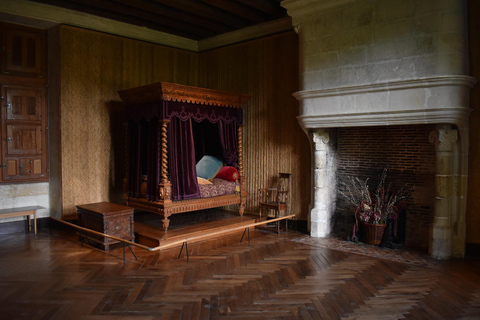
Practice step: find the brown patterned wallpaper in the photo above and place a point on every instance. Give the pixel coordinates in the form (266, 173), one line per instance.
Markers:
(267, 70)
(93, 66)
(473, 195)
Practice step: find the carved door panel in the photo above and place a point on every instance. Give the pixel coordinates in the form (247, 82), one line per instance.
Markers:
(24, 50)
(24, 139)
(23, 168)
(23, 103)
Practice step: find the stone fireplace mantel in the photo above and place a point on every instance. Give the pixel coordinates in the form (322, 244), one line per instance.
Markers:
(419, 101)
(443, 101)
(382, 63)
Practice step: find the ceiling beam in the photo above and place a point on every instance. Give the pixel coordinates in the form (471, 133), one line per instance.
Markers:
(47, 15)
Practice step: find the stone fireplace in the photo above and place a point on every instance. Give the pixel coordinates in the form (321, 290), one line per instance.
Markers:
(387, 66)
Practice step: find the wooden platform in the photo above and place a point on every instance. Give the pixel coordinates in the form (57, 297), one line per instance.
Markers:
(149, 231)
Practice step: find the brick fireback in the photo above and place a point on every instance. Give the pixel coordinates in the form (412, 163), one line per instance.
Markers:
(409, 158)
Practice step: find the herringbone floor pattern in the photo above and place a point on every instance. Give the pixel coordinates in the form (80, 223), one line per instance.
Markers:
(275, 277)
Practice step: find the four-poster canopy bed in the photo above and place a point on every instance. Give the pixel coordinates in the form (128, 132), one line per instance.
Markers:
(171, 130)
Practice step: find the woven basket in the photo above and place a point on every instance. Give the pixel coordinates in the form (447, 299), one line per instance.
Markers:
(374, 233)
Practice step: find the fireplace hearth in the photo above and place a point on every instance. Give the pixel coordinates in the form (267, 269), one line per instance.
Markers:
(407, 154)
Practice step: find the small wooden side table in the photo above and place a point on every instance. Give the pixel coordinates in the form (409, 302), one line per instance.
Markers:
(109, 218)
(22, 212)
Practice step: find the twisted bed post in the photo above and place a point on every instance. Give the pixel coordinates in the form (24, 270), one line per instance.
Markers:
(243, 191)
(165, 185)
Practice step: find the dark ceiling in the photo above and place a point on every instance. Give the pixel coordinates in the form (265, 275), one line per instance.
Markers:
(193, 19)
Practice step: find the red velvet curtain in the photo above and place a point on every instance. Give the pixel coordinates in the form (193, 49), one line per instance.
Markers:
(154, 159)
(181, 152)
(229, 142)
(135, 165)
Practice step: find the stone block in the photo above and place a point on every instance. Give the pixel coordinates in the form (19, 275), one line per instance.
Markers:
(312, 63)
(407, 99)
(328, 105)
(443, 187)
(450, 43)
(415, 47)
(332, 78)
(426, 65)
(451, 63)
(338, 41)
(363, 37)
(453, 22)
(371, 102)
(392, 10)
(334, 22)
(358, 16)
(320, 178)
(362, 75)
(444, 164)
(381, 52)
(320, 158)
(393, 70)
(347, 104)
(428, 6)
(352, 56)
(440, 244)
(328, 60)
(319, 229)
(310, 48)
(393, 31)
(311, 80)
(427, 24)
(446, 96)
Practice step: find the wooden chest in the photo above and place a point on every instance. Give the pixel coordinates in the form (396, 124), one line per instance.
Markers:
(109, 218)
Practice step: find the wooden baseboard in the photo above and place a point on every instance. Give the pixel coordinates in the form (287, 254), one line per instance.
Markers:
(472, 250)
(22, 226)
(298, 225)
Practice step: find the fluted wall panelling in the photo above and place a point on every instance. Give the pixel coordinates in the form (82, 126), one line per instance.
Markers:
(267, 70)
(93, 67)
(473, 193)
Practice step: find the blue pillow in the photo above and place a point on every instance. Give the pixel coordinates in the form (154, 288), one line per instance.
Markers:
(208, 167)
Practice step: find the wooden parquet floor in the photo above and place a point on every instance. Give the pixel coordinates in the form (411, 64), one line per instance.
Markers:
(52, 276)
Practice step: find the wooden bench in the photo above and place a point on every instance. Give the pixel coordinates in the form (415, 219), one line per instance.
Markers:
(21, 212)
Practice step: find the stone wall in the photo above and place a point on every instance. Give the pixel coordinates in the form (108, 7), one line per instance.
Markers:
(372, 41)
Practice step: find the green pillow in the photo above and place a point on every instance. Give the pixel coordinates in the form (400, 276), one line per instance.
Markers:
(208, 167)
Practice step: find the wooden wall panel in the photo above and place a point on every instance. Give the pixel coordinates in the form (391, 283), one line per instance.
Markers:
(473, 195)
(267, 70)
(93, 67)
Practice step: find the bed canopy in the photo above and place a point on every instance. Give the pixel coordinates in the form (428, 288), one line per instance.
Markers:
(160, 122)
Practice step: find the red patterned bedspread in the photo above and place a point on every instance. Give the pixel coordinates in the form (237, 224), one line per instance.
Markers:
(219, 187)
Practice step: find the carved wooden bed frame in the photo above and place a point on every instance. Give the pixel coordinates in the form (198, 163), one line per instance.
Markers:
(174, 92)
